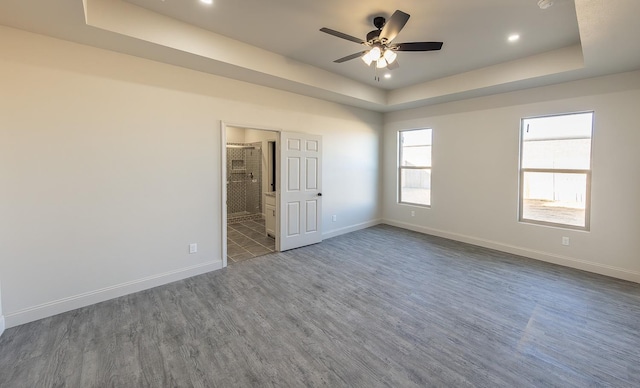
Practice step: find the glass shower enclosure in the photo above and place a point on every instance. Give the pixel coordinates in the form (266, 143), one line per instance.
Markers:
(244, 181)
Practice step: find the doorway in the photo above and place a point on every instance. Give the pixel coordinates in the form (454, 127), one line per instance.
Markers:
(287, 212)
(251, 210)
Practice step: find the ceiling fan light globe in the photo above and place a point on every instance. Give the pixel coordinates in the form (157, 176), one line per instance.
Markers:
(366, 58)
(390, 55)
(375, 53)
(381, 63)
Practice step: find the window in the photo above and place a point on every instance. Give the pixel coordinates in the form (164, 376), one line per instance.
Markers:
(414, 167)
(555, 170)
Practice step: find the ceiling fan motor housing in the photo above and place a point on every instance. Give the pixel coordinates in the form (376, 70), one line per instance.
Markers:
(379, 22)
(373, 36)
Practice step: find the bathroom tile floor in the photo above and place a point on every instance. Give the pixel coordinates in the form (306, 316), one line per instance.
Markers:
(246, 240)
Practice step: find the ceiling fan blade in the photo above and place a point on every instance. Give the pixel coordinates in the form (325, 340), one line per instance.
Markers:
(418, 46)
(341, 35)
(393, 26)
(393, 65)
(350, 57)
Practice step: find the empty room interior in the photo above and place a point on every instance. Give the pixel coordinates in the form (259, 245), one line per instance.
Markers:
(319, 193)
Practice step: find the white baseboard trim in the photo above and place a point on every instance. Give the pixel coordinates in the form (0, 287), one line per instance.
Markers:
(571, 262)
(2, 326)
(349, 229)
(92, 297)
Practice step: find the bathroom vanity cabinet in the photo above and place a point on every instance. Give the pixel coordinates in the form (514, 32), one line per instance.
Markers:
(270, 213)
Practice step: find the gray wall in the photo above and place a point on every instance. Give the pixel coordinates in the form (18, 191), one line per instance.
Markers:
(111, 166)
(475, 174)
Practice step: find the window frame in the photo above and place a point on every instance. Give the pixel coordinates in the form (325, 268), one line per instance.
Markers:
(401, 167)
(587, 172)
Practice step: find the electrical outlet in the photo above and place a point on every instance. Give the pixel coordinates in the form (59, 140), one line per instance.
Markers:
(193, 248)
(565, 241)
(413, 213)
(334, 218)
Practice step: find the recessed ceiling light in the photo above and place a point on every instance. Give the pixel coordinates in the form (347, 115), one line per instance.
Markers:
(544, 4)
(208, 2)
(513, 37)
(387, 75)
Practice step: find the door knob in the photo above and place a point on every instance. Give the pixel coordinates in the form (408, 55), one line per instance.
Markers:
(319, 194)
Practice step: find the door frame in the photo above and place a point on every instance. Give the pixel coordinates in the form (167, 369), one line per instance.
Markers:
(223, 180)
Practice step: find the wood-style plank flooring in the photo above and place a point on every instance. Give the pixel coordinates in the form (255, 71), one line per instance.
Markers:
(381, 307)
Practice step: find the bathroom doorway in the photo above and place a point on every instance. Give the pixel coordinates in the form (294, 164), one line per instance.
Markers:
(250, 192)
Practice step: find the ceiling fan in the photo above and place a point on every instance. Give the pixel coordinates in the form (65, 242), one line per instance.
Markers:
(381, 49)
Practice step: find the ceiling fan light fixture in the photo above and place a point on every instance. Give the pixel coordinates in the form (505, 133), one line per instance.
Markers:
(375, 53)
(379, 46)
(366, 58)
(390, 55)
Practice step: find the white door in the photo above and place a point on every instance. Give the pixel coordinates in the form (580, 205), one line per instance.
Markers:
(300, 194)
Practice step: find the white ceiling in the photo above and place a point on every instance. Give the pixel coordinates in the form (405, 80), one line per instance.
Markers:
(474, 32)
(277, 43)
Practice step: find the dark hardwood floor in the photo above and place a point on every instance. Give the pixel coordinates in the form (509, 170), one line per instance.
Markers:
(377, 307)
